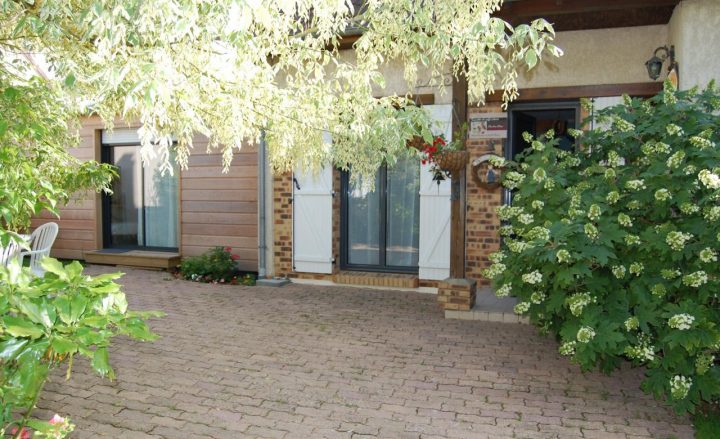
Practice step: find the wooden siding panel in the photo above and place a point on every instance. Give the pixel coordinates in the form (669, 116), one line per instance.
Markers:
(216, 208)
(220, 209)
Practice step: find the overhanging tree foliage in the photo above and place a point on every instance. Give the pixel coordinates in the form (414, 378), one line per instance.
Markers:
(231, 68)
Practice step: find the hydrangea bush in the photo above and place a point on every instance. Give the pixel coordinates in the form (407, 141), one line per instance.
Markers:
(614, 247)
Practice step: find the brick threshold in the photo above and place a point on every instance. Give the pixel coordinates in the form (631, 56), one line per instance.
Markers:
(329, 283)
(374, 279)
(489, 308)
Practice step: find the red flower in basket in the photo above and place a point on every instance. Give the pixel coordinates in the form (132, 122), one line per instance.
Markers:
(228, 249)
(234, 257)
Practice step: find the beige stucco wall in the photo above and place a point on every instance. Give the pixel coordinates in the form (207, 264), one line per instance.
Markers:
(695, 31)
(598, 56)
(395, 84)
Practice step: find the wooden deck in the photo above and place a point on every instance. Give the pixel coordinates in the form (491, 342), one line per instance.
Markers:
(134, 258)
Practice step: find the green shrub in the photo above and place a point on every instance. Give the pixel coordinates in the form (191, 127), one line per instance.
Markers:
(50, 320)
(216, 265)
(614, 248)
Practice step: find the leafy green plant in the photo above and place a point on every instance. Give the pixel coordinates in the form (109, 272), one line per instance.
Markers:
(50, 320)
(47, 321)
(614, 247)
(216, 265)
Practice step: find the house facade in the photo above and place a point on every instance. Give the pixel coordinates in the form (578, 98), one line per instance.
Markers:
(416, 232)
(411, 231)
(153, 219)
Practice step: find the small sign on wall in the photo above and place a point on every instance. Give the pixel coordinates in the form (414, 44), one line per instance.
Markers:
(488, 126)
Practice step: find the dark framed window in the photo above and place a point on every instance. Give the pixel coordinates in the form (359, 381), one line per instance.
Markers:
(537, 118)
(143, 210)
(380, 229)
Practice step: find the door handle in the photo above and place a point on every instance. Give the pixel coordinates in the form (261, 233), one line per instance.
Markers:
(297, 185)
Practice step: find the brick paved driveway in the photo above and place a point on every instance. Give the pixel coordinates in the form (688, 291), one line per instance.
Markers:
(307, 362)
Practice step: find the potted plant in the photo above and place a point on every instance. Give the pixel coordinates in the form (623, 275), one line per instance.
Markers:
(447, 157)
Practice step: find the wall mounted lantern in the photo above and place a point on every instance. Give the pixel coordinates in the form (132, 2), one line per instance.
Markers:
(654, 64)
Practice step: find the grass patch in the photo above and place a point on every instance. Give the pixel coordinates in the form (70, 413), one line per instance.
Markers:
(707, 423)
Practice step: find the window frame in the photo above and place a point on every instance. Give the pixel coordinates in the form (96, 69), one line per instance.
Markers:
(382, 266)
(571, 104)
(107, 156)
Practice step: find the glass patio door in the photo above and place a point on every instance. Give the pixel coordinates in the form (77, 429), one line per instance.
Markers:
(142, 212)
(381, 228)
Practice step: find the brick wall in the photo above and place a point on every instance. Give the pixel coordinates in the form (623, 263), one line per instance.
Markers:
(282, 226)
(481, 222)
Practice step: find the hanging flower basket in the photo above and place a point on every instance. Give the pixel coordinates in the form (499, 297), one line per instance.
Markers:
(452, 161)
(416, 142)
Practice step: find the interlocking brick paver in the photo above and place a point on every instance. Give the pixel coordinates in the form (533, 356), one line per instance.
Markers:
(314, 362)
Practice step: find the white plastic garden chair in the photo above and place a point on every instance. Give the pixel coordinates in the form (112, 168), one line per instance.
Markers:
(41, 241)
(8, 253)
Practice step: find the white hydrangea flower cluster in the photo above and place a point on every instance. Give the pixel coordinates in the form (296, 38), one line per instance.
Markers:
(537, 204)
(614, 160)
(538, 233)
(643, 351)
(612, 197)
(591, 231)
(562, 256)
(636, 268)
(635, 185)
(653, 147)
(539, 175)
(577, 302)
(497, 256)
(518, 246)
(711, 214)
(497, 161)
(504, 290)
(521, 308)
(624, 220)
(690, 170)
(662, 195)
(708, 255)
(513, 179)
(634, 205)
(668, 274)
(585, 334)
(568, 348)
(658, 290)
(674, 130)
(632, 323)
(610, 174)
(677, 240)
(494, 270)
(703, 363)
(537, 145)
(701, 142)
(622, 125)
(709, 179)
(507, 212)
(632, 239)
(506, 230)
(526, 218)
(594, 212)
(537, 297)
(619, 271)
(695, 280)
(575, 133)
(532, 278)
(675, 160)
(680, 386)
(681, 322)
(689, 208)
